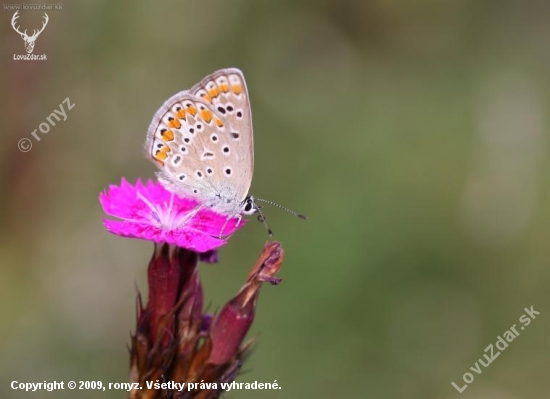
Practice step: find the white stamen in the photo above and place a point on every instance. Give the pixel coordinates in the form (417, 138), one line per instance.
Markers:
(156, 212)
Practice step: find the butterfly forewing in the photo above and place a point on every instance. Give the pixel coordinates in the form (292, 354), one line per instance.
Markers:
(226, 91)
(190, 142)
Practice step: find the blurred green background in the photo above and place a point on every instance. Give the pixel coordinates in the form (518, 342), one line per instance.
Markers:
(413, 134)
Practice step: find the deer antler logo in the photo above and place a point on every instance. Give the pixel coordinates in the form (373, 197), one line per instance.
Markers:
(29, 40)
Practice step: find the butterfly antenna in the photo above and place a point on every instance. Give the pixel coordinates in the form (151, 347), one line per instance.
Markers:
(261, 218)
(304, 217)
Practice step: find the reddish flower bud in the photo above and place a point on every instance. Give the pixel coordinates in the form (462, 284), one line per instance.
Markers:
(236, 317)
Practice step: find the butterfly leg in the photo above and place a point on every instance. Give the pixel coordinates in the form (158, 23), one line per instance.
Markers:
(229, 217)
(223, 227)
(239, 218)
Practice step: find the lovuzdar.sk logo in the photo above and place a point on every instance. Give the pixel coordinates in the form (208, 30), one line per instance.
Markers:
(29, 40)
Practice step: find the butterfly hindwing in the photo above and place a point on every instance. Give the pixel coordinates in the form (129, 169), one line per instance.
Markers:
(191, 144)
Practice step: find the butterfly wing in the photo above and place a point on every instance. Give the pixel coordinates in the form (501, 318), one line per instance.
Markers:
(225, 90)
(196, 152)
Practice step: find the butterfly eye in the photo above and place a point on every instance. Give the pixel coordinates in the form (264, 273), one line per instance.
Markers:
(249, 207)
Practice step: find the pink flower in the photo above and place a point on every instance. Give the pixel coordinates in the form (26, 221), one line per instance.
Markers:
(150, 212)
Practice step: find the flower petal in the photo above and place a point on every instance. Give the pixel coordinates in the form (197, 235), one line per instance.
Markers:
(150, 212)
(194, 240)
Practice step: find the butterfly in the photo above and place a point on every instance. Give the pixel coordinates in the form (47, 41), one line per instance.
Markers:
(202, 141)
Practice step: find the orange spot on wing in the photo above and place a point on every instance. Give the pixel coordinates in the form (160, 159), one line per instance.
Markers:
(192, 110)
(214, 92)
(206, 97)
(168, 135)
(218, 122)
(206, 115)
(161, 156)
(180, 114)
(237, 89)
(224, 87)
(174, 123)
